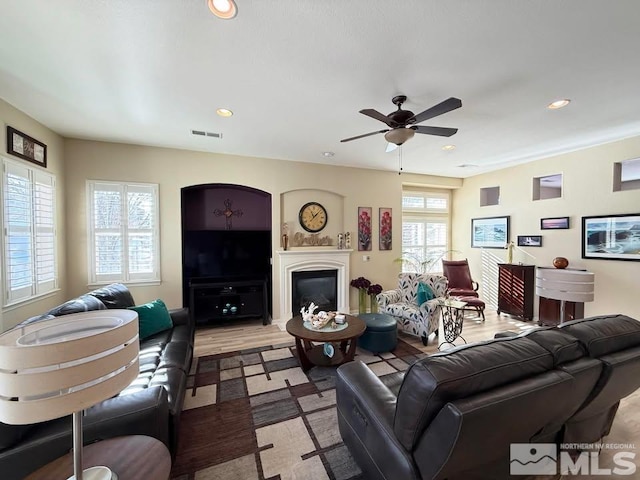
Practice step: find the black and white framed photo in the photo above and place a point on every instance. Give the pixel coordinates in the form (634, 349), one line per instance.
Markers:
(529, 240)
(26, 147)
(611, 237)
(491, 232)
(558, 223)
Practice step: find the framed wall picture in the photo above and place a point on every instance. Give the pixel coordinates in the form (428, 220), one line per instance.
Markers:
(529, 240)
(558, 223)
(385, 223)
(364, 229)
(611, 237)
(26, 147)
(491, 232)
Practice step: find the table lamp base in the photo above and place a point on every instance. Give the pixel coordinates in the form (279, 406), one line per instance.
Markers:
(97, 473)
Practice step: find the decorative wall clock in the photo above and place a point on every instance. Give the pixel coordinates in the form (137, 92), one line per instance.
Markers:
(313, 217)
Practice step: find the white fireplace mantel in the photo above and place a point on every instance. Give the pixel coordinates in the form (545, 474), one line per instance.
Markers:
(309, 259)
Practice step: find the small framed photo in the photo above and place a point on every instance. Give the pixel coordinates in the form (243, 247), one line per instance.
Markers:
(529, 240)
(26, 147)
(490, 232)
(558, 223)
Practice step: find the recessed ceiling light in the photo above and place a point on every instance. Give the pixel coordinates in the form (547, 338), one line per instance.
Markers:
(224, 112)
(448, 147)
(328, 154)
(225, 9)
(558, 104)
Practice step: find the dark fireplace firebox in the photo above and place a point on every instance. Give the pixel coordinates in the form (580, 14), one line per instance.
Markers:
(317, 286)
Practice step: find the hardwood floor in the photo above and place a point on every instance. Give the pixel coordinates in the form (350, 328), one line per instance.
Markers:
(251, 333)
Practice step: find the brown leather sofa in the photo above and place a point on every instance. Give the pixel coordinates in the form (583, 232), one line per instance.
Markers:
(454, 415)
(151, 405)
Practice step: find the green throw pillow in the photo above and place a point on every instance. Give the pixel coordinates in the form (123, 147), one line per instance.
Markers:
(153, 317)
(424, 293)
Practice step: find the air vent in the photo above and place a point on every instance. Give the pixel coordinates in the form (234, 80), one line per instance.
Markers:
(202, 133)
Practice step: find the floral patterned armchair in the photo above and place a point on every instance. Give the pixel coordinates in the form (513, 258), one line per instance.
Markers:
(401, 303)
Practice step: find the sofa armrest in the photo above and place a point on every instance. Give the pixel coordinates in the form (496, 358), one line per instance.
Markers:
(388, 297)
(180, 316)
(429, 307)
(366, 409)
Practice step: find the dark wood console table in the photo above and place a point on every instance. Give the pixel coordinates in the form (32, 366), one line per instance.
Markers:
(516, 289)
(219, 300)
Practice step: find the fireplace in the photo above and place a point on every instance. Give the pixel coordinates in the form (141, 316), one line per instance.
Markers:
(312, 260)
(317, 286)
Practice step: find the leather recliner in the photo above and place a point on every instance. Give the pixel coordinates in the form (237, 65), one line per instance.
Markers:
(454, 415)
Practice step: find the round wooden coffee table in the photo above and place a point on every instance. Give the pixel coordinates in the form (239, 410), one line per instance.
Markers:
(310, 354)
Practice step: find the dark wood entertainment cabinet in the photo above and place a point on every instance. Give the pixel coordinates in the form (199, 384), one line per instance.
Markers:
(216, 300)
(516, 289)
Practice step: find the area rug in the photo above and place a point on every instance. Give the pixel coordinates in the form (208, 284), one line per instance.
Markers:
(255, 415)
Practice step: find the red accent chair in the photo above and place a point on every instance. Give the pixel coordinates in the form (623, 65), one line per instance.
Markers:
(461, 284)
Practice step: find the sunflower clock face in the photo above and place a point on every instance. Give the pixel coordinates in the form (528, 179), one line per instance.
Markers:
(313, 217)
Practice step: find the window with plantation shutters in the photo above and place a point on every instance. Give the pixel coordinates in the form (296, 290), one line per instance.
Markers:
(425, 227)
(29, 240)
(124, 233)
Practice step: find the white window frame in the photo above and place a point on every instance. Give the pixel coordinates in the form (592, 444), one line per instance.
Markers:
(124, 231)
(42, 231)
(429, 215)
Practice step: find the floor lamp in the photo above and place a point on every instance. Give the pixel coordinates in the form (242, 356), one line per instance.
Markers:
(565, 285)
(53, 368)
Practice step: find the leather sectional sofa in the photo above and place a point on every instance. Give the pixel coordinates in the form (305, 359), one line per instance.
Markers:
(454, 415)
(151, 405)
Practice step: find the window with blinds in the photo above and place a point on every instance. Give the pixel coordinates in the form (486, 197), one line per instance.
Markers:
(29, 240)
(124, 232)
(425, 227)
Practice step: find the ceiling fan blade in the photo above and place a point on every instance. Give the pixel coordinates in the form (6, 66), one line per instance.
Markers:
(365, 135)
(440, 131)
(390, 147)
(449, 104)
(370, 112)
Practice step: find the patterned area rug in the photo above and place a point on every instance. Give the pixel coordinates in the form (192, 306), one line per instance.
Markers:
(255, 415)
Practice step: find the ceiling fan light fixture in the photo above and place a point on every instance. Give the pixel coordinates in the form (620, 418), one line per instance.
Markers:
(559, 104)
(225, 9)
(399, 135)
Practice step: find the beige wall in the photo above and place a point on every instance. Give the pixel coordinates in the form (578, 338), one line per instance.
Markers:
(587, 190)
(342, 189)
(55, 164)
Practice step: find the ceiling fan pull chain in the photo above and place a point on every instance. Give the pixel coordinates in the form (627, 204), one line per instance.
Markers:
(400, 159)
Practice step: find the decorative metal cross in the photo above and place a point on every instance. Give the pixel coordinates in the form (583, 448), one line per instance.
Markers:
(227, 213)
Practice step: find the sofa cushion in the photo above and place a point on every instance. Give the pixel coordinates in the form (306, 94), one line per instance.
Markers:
(432, 382)
(153, 317)
(11, 434)
(115, 295)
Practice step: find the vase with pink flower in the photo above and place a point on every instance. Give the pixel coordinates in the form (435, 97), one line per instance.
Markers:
(362, 284)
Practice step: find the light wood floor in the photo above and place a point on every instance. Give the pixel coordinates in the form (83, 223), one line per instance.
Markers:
(251, 333)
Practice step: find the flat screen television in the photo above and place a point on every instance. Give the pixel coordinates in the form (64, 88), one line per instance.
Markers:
(225, 254)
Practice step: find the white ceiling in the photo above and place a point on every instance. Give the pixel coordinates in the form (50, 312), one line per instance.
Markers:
(297, 72)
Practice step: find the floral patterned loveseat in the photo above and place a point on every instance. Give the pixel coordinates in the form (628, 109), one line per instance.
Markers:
(401, 303)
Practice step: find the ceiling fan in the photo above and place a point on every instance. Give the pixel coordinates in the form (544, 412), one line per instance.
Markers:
(402, 122)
